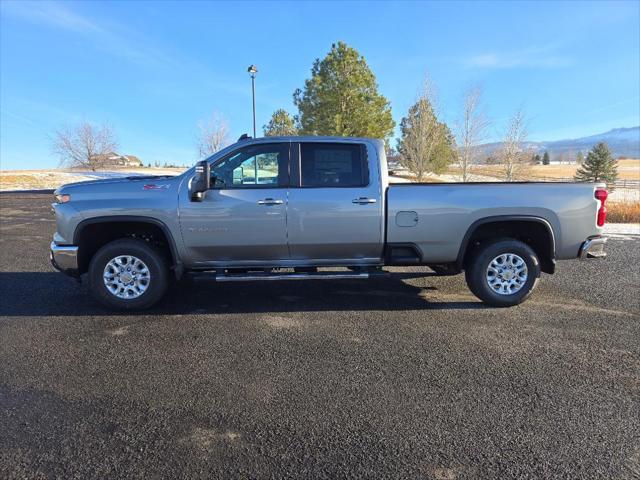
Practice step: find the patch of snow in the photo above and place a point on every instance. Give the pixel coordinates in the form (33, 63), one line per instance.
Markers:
(624, 195)
(52, 179)
(393, 179)
(622, 228)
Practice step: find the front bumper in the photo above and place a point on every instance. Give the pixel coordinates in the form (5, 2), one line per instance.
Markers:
(64, 258)
(593, 248)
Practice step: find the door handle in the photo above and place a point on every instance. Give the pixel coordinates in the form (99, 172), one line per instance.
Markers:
(270, 201)
(363, 200)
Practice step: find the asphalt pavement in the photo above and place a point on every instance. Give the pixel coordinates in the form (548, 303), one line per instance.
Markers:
(405, 377)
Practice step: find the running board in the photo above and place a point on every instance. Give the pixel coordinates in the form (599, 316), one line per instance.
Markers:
(255, 276)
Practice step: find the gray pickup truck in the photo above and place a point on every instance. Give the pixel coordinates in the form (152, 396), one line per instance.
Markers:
(291, 208)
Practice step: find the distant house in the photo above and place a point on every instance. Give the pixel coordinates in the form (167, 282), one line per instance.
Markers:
(394, 165)
(112, 159)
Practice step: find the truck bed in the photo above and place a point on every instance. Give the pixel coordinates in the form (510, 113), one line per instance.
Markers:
(436, 217)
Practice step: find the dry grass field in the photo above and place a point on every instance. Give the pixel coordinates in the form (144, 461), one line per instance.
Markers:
(47, 179)
(623, 212)
(9, 181)
(628, 169)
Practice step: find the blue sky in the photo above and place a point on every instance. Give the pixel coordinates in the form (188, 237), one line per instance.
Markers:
(153, 70)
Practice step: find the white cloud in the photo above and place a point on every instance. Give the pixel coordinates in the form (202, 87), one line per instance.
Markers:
(109, 38)
(50, 13)
(534, 57)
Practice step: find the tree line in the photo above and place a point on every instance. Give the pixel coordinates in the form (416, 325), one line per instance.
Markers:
(342, 98)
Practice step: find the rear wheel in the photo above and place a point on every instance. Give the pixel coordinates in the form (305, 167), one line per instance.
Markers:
(503, 273)
(128, 274)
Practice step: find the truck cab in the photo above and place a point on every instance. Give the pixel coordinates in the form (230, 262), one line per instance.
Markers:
(274, 202)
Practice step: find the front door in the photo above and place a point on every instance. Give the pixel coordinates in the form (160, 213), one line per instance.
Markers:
(242, 220)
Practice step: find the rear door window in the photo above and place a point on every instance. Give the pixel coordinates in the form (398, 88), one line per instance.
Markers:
(333, 165)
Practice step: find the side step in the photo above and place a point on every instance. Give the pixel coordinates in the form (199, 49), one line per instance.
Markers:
(271, 276)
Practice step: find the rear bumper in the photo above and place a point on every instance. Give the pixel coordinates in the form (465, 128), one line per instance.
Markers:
(593, 247)
(64, 258)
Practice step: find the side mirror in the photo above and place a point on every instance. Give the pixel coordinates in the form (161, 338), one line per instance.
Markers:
(201, 182)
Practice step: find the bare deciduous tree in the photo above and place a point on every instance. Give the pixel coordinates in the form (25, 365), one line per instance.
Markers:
(471, 129)
(213, 135)
(514, 157)
(85, 145)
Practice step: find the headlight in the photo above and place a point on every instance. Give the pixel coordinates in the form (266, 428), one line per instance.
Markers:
(63, 198)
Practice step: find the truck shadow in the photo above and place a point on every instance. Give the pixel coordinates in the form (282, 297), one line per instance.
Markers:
(53, 294)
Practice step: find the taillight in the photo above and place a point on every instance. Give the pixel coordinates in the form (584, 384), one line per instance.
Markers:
(601, 194)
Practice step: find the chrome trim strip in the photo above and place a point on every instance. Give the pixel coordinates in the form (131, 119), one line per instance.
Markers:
(296, 262)
(290, 276)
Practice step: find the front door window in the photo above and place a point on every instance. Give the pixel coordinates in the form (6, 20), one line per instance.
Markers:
(259, 166)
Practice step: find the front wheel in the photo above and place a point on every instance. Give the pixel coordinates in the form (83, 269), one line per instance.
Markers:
(503, 273)
(128, 274)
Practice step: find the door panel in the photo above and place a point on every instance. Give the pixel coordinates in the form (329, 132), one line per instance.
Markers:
(324, 223)
(236, 225)
(335, 206)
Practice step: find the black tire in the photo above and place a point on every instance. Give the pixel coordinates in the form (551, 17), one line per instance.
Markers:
(476, 272)
(155, 261)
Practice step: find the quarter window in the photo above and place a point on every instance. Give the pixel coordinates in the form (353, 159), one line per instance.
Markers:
(333, 165)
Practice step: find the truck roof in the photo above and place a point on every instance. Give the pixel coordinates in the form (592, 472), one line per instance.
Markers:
(307, 138)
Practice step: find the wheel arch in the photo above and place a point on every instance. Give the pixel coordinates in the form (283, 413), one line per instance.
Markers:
(535, 231)
(122, 226)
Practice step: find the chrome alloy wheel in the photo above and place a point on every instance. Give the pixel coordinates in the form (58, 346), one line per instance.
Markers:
(126, 277)
(507, 274)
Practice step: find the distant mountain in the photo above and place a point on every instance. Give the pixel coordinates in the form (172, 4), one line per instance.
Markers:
(623, 142)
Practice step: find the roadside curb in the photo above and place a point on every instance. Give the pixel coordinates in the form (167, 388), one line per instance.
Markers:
(46, 190)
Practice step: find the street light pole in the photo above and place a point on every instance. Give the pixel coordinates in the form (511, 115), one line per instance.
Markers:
(252, 71)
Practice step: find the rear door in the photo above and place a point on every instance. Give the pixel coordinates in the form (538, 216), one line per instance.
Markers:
(335, 209)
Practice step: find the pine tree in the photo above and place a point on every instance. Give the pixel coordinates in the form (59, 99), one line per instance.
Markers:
(579, 158)
(545, 159)
(536, 159)
(341, 98)
(426, 144)
(599, 166)
(280, 125)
